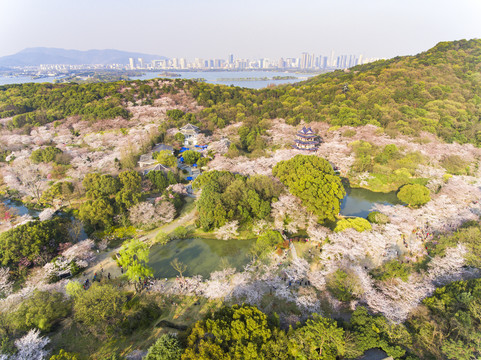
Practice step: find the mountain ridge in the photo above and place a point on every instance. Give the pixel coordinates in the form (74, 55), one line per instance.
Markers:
(45, 55)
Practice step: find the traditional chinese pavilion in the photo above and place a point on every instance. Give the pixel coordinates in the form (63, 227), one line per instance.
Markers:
(306, 139)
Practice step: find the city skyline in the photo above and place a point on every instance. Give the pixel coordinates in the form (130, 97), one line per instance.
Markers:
(304, 62)
(251, 29)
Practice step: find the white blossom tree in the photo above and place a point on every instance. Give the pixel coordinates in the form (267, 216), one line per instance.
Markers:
(150, 215)
(5, 284)
(31, 346)
(228, 231)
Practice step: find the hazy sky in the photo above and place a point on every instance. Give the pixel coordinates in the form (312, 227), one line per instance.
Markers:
(246, 28)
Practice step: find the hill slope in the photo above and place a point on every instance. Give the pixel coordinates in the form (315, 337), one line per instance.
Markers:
(42, 55)
(437, 91)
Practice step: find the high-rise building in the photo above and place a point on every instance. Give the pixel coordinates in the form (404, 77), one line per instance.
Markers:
(183, 63)
(230, 59)
(331, 60)
(141, 63)
(131, 63)
(359, 61)
(304, 60)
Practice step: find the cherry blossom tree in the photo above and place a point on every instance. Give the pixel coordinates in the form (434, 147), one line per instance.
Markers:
(5, 284)
(149, 215)
(228, 231)
(178, 188)
(31, 346)
(289, 214)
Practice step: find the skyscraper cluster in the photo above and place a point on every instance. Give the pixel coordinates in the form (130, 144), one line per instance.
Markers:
(305, 62)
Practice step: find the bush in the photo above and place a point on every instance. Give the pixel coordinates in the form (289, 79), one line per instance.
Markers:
(180, 232)
(47, 155)
(63, 355)
(266, 242)
(376, 217)
(349, 133)
(454, 164)
(43, 310)
(343, 285)
(99, 308)
(167, 347)
(358, 224)
(414, 195)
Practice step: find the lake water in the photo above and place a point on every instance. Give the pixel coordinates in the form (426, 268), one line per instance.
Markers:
(221, 77)
(213, 77)
(5, 80)
(360, 202)
(202, 256)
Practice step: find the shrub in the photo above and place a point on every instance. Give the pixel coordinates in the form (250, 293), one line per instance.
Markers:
(414, 195)
(376, 217)
(343, 285)
(454, 164)
(349, 133)
(167, 347)
(43, 310)
(358, 224)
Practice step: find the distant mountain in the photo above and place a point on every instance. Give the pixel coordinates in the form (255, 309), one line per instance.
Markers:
(42, 55)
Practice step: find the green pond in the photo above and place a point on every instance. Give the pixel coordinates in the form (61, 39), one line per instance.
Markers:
(202, 256)
(360, 202)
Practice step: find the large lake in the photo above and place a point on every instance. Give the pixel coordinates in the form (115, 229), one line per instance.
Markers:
(223, 77)
(213, 77)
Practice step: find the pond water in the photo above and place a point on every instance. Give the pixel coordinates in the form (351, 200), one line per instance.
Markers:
(202, 256)
(20, 208)
(360, 202)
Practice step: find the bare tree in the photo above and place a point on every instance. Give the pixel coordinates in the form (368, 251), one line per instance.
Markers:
(31, 179)
(75, 230)
(178, 266)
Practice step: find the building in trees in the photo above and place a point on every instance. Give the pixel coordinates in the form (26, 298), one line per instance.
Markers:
(155, 167)
(163, 147)
(306, 139)
(190, 133)
(148, 161)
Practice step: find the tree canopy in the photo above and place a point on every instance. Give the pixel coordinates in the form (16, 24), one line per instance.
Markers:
(414, 195)
(134, 256)
(312, 180)
(226, 197)
(34, 242)
(237, 332)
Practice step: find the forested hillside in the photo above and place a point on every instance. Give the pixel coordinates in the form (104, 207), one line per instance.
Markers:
(438, 91)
